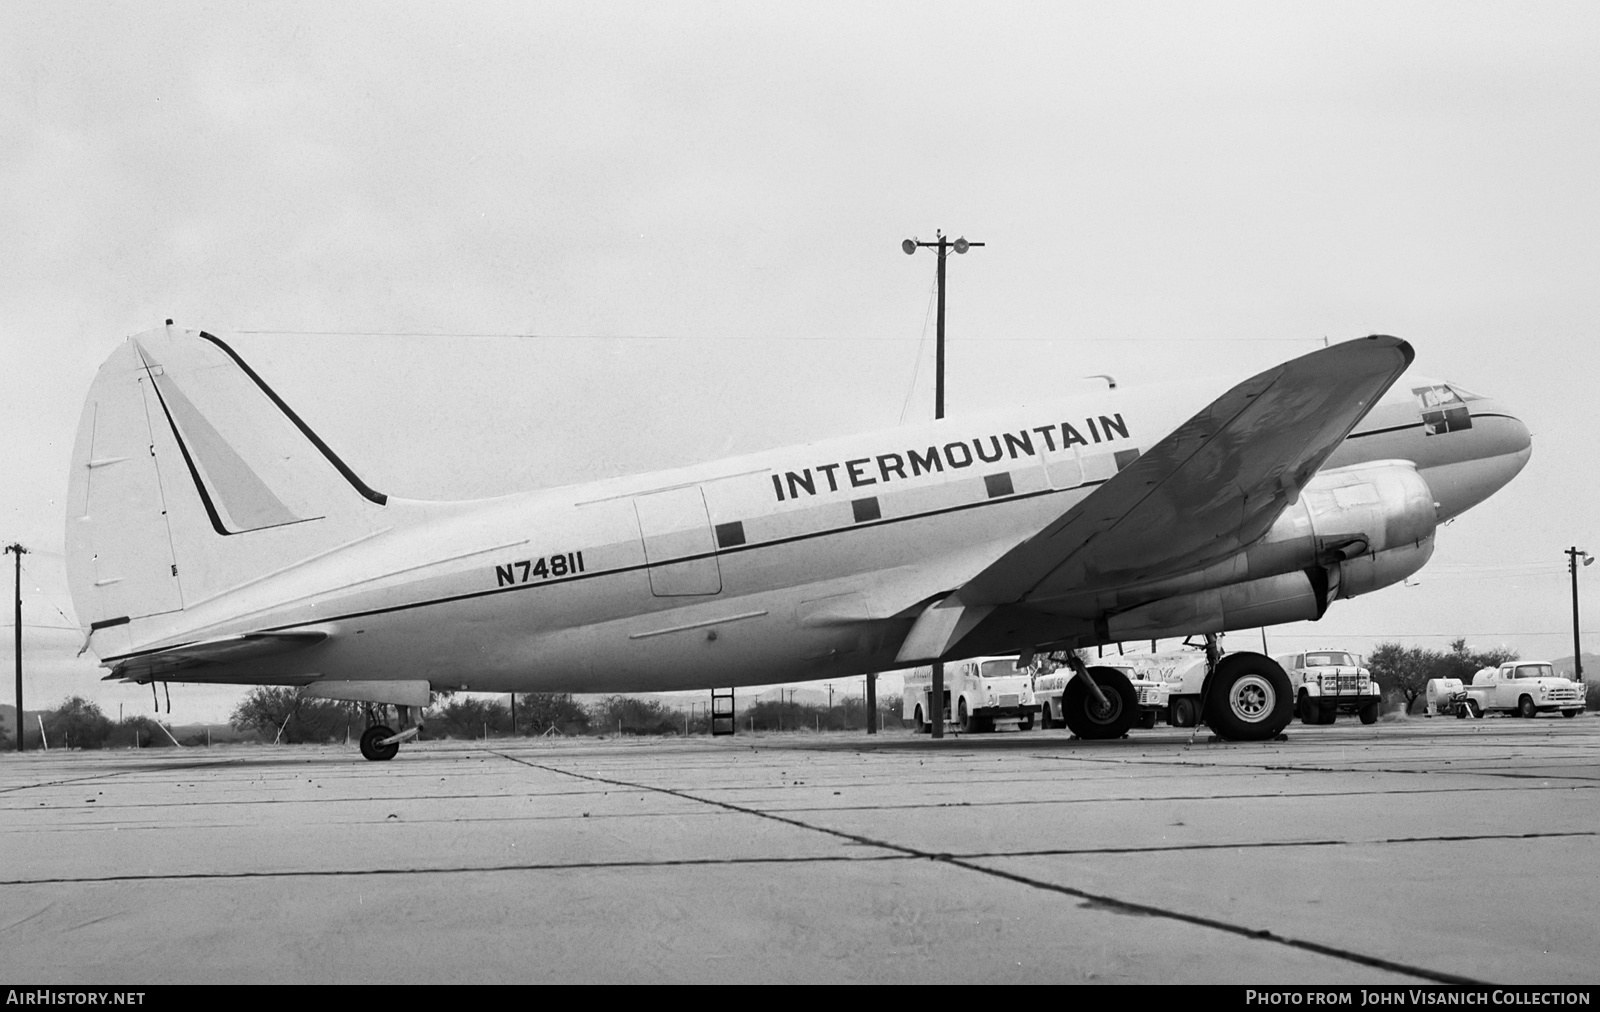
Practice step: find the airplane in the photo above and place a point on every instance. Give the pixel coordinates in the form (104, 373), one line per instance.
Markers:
(214, 537)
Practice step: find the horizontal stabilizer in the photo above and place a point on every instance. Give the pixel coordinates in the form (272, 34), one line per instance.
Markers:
(160, 665)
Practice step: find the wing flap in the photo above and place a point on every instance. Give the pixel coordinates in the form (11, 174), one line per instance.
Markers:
(1207, 490)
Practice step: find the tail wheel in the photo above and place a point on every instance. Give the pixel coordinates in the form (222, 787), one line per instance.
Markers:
(374, 751)
(1089, 719)
(1249, 698)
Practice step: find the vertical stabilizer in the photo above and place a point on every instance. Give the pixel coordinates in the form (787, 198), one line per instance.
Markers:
(191, 477)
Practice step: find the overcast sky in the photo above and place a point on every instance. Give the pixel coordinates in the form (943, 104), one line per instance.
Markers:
(491, 247)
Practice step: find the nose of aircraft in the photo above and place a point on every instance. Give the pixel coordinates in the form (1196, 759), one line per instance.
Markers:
(1497, 447)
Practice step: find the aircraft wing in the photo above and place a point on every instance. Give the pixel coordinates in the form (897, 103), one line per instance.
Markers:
(161, 665)
(1206, 491)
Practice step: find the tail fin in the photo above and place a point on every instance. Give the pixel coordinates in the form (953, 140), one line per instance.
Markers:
(191, 477)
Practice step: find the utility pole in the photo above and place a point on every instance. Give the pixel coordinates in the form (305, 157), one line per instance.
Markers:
(20, 552)
(1572, 555)
(942, 246)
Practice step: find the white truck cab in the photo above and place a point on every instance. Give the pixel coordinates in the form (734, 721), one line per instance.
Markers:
(979, 694)
(1516, 688)
(1330, 682)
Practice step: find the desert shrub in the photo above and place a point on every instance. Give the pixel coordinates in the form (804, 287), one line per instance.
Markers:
(77, 723)
(137, 732)
(267, 708)
(538, 712)
(467, 717)
(634, 716)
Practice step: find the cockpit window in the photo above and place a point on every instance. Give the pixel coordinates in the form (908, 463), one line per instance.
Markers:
(1443, 410)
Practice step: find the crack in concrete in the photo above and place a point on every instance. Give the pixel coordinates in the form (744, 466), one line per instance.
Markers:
(1122, 905)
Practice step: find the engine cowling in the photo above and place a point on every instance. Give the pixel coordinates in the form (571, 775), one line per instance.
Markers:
(1368, 510)
(1351, 531)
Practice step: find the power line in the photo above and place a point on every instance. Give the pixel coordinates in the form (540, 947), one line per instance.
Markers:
(763, 339)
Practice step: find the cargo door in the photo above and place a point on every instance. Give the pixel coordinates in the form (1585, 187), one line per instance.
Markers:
(678, 544)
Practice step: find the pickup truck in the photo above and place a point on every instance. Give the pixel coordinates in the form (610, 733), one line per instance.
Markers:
(1517, 689)
(1330, 682)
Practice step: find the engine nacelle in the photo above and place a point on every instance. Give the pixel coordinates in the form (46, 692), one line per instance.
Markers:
(1365, 510)
(1351, 531)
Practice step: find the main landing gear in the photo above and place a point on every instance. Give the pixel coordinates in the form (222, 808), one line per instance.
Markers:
(1098, 702)
(1247, 697)
(379, 743)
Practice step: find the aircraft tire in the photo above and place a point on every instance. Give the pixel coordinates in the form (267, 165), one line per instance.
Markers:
(370, 747)
(1086, 719)
(1250, 698)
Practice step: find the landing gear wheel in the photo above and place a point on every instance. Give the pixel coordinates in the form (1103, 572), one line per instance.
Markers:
(1526, 709)
(1088, 719)
(1249, 698)
(370, 747)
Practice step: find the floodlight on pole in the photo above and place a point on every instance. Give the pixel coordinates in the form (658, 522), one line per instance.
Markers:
(1573, 554)
(942, 245)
